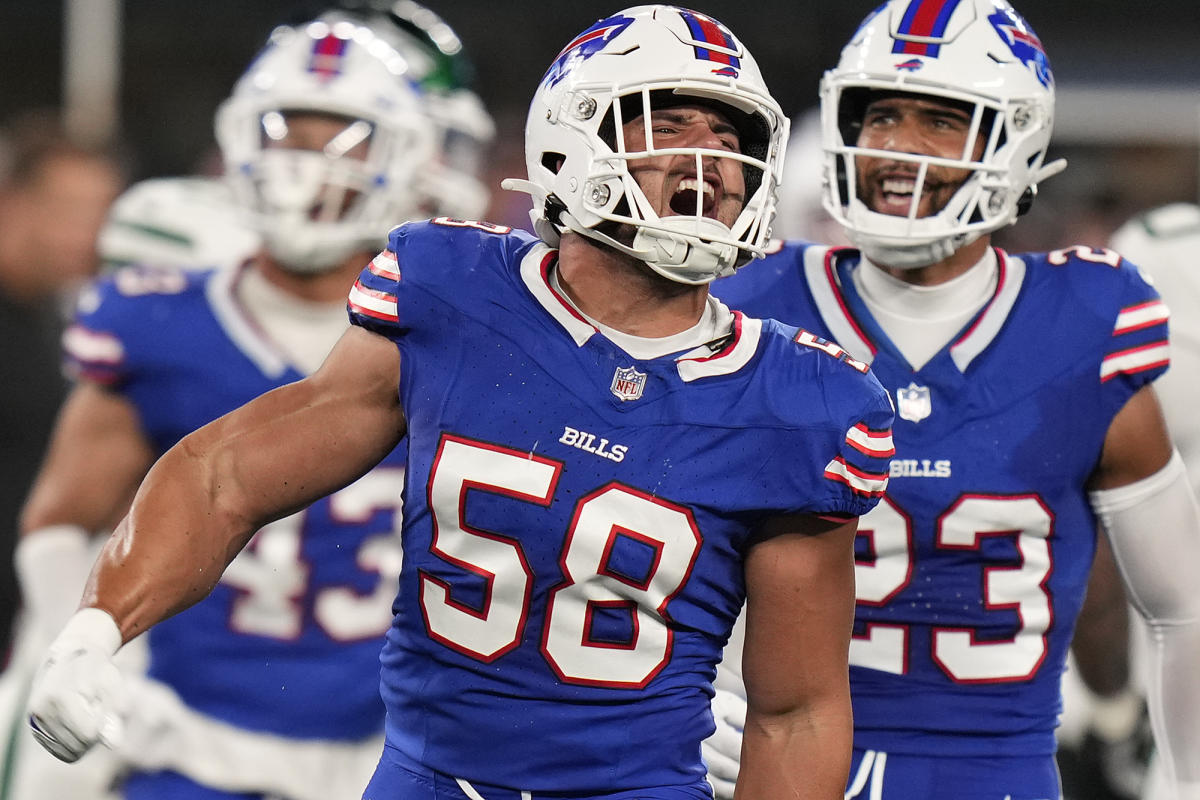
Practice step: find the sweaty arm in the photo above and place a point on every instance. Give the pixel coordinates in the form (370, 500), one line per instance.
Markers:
(197, 507)
(1142, 497)
(799, 616)
(96, 457)
(205, 498)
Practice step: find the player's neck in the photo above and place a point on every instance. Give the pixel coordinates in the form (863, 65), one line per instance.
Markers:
(330, 286)
(623, 293)
(947, 269)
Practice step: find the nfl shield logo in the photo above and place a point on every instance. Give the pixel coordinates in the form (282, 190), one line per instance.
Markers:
(913, 402)
(628, 383)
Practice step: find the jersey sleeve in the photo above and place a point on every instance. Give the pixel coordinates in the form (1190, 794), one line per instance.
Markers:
(1136, 352)
(111, 316)
(430, 274)
(839, 451)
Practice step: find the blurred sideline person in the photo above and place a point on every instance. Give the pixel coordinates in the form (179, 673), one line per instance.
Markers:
(603, 462)
(1110, 708)
(1025, 415)
(191, 222)
(269, 688)
(196, 221)
(801, 213)
(53, 197)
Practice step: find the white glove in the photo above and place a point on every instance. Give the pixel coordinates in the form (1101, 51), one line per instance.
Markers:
(52, 566)
(78, 694)
(723, 750)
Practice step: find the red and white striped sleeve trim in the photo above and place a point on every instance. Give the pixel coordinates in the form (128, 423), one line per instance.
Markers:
(385, 265)
(871, 484)
(92, 347)
(877, 444)
(1135, 359)
(1144, 315)
(373, 303)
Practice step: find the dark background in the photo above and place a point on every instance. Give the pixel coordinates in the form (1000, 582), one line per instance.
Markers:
(181, 57)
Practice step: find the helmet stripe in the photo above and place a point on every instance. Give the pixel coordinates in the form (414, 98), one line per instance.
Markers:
(706, 29)
(927, 19)
(327, 53)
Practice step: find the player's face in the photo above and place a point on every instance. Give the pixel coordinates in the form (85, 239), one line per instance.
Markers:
(339, 138)
(909, 124)
(332, 134)
(670, 182)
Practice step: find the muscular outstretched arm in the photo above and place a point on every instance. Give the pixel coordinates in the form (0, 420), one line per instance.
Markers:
(799, 616)
(1144, 501)
(206, 497)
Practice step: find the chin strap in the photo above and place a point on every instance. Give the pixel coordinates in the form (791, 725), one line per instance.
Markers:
(910, 256)
(683, 256)
(914, 256)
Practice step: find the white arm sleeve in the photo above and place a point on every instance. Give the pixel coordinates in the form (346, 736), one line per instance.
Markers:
(1154, 527)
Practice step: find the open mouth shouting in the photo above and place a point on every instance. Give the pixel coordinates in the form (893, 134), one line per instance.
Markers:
(691, 191)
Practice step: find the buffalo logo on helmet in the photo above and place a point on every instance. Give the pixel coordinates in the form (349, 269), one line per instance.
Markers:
(584, 46)
(1024, 43)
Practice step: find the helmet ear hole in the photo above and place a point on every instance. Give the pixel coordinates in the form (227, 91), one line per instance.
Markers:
(1026, 200)
(553, 161)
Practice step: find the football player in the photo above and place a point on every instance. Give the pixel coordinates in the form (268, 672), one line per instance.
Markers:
(603, 462)
(268, 688)
(1025, 414)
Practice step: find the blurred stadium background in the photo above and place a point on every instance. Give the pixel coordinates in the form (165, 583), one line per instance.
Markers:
(151, 72)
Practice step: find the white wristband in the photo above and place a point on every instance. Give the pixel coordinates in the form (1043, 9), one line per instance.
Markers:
(92, 628)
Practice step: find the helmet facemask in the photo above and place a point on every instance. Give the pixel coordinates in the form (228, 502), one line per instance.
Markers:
(310, 204)
(323, 140)
(596, 169)
(976, 67)
(687, 242)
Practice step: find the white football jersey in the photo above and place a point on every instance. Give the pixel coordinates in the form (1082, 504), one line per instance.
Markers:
(189, 221)
(1164, 243)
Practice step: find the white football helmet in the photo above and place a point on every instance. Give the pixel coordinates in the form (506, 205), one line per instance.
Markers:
(313, 207)
(450, 182)
(979, 53)
(617, 70)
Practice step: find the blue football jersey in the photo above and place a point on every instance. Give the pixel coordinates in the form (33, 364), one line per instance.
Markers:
(971, 572)
(575, 518)
(288, 642)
